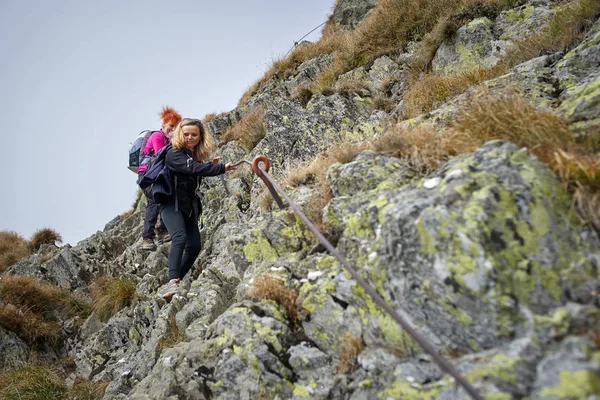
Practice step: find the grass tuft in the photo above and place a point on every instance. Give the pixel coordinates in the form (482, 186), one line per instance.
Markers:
(33, 309)
(13, 247)
(44, 236)
(350, 348)
(248, 131)
(271, 288)
(173, 337)
(428, 90)
(110, 295)
(547, 135)
(209, 117)
(31, 382)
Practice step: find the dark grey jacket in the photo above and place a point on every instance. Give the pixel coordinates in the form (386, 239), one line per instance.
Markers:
(187, 174)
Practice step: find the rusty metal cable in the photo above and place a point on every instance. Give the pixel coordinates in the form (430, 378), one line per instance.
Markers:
(274, 188)
(298, 41)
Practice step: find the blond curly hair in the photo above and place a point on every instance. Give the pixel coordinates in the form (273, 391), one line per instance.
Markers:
(205, 146)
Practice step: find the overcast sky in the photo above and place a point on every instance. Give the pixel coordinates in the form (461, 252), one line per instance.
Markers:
(81, 78)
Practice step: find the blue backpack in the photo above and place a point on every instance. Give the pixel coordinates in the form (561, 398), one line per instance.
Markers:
(158, 177)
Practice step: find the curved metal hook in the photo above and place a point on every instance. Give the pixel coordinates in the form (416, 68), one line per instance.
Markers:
(256, 169)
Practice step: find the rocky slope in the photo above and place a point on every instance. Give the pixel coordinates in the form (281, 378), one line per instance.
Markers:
(482, 256)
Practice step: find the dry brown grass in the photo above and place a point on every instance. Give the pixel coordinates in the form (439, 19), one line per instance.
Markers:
(87, 390)
(315, 174)
(44, 236)
(13, 247)
(209, 117)
(423, 148)
(271, 288)
(510, 117)
(32, 309)
(109, 295)
(127, 214)
(429, 91)
(393, 23)
(173, 337)
(37, 380)
(284, 67)
(303, 94)
(566, 28)
(248, 131)
(32, 382)
(351, 85)
(350, 348)
(547, 135)
(264, 199)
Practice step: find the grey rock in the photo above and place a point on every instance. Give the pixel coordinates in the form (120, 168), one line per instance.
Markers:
(518, 23)
(13, 351)
(306, 72)
(91, 325)
(365, 172)
(472, 45)
(384, 73)
(349, 13)
(572, 371)
(294, 133)
(581, 65)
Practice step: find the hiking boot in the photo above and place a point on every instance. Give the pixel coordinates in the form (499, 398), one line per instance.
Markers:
(170, 289)
(163, 237)
(148, 244)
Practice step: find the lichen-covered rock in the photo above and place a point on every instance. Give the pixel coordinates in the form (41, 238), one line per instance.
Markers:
(584, 103)
(13, 351)
(385, 72)
(306, 72)
(472, 45)
(581, 65)
(518, 23)
(244, 352)
(349, 13)
(295, 134)
(62, 270)
(571, 372)
(467, 254)
(533, 79)
(365, 172)
(313, 370)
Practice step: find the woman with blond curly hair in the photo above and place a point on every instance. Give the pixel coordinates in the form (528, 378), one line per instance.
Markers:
(191, 144)
(159, 139)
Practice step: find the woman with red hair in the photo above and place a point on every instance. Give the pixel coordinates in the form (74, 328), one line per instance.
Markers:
(159, 139)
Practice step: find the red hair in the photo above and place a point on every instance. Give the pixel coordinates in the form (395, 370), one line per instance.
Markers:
(170, 116)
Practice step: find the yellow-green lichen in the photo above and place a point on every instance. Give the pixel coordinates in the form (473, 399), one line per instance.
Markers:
(513, 17)
(315, 299)
(301, 391)
(457, 313)
(574, 385)
(397, 337)
(135, 336)
(268, 335)
(560, 321)
(259, 250)
(499, 367)
(404, 390)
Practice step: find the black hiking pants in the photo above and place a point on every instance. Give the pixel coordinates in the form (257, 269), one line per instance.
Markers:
(151, 216)
(185, 240)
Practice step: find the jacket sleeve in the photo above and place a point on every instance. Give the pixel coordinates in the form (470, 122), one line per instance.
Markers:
(180, 163)
(154, 144)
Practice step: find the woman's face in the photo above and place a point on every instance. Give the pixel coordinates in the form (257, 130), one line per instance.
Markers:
(191, 136)
(168, 128)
